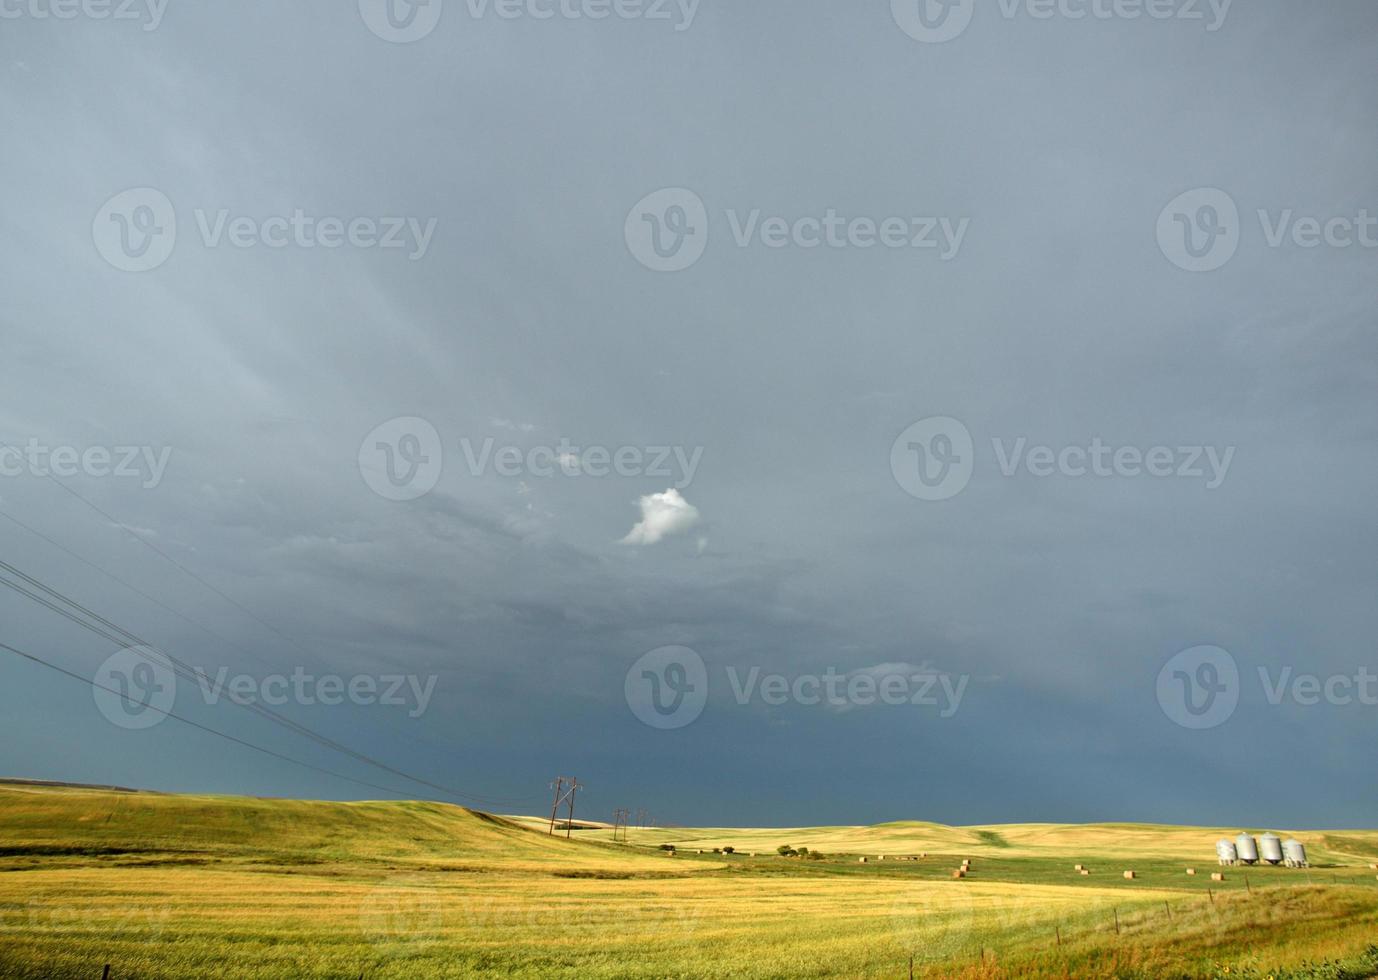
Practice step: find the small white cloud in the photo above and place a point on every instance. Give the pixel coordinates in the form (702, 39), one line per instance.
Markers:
(662, 514)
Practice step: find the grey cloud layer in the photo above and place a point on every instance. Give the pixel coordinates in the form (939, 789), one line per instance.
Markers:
(1058, 322)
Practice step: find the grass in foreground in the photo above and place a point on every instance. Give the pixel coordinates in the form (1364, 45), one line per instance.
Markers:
(164, 887)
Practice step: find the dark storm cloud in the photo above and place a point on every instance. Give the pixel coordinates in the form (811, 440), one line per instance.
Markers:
(529, 320)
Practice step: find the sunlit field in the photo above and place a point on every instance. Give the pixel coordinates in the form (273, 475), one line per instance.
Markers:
(171, 886)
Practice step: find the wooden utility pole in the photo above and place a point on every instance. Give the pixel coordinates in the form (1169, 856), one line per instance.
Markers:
(620, 816)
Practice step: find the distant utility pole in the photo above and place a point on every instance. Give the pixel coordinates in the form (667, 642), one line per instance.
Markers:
(565, 787)
(620, 817)
(641, 817)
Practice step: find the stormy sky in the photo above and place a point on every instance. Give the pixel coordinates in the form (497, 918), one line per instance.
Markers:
(435, 267)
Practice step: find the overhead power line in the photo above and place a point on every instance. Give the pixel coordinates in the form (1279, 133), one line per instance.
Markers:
(185, 618)
(112, 632)
(205, 728)
(485, 801)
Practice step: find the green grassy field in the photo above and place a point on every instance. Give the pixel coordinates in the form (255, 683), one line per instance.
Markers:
(165, 886)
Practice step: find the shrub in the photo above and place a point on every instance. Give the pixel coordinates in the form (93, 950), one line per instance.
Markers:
(802, 852)
(784, 850)
(667, 847)
(729, 850)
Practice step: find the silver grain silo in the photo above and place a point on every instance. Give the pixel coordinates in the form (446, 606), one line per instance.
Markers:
(1294, 852)
(1247, 848)
(1270, 848)
(1225, 851)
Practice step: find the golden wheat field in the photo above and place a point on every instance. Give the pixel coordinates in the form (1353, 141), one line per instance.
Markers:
(170, 886)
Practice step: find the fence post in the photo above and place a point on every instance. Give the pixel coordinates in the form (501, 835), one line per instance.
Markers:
(1117, 922)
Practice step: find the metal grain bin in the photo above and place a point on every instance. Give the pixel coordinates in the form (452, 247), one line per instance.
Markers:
(1294, 853)
(1247, 848)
